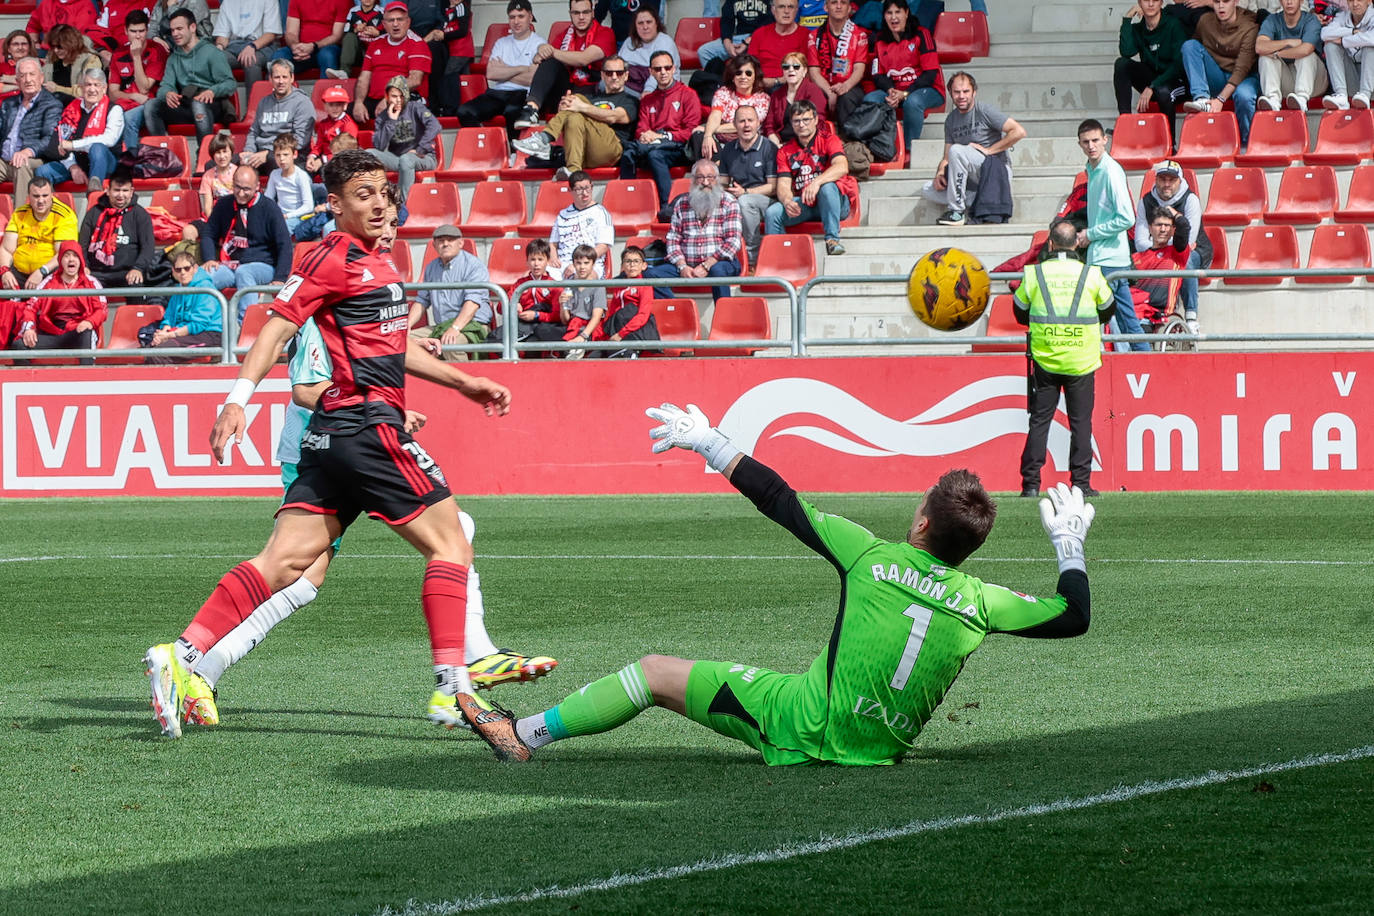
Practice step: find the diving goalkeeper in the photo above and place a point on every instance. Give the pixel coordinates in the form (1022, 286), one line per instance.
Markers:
(908, 620)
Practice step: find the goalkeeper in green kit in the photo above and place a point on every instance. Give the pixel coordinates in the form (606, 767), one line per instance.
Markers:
(908, 620)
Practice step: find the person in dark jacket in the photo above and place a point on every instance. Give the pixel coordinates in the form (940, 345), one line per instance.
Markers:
(36, 110)
(117, 236)
(404, 137)
(1157, 41)
(245, 242)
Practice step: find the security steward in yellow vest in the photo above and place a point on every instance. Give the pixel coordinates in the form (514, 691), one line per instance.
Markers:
(1065, 303)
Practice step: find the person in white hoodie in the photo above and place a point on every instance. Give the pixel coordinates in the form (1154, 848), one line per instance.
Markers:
(1172, 195)
(1348, 38)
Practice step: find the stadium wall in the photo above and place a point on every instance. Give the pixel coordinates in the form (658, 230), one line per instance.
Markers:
(1278, 421)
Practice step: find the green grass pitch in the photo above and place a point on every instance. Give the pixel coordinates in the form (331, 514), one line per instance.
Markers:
(1230, 632)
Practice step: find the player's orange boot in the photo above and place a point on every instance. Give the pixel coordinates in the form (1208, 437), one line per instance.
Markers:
(495, 726)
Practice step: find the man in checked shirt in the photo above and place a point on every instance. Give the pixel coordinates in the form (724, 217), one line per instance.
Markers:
(706, 235)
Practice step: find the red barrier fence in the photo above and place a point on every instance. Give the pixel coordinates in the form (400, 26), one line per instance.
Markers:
(1241, 421)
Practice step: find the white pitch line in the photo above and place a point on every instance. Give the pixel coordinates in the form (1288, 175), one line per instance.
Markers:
(823, 844)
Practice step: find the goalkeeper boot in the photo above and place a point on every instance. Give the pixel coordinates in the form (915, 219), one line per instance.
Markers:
(198, 701)
(495, 726)
(167, 678)
(504, 666)
(444, 711)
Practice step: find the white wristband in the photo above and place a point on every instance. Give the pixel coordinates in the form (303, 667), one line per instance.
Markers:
(240, 394)
(717, 450)
(1069, 553)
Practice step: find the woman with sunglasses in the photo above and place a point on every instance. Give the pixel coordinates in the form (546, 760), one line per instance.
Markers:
(742, 85)
(906, 68)
(796, 87)
(639, 48)
(191, 319)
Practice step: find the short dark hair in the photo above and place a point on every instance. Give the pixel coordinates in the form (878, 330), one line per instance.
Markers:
(633, 250)
(1063, 235)
(182, 12)
(537, 246)
(1090, 124)
(221, 141)
(960, 515)
(41, 181)
(963, 75)
(804, 106)
(657, 54)
(122, 175)
(1161, 213)
(345, 166)
(136, 17)
(578, 177)
(584, 252)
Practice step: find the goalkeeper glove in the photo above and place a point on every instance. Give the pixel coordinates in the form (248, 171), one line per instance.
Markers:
(1066, 519)
(690, 429)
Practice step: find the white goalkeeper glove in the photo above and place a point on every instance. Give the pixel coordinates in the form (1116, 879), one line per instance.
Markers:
(690, 429)
(1066, 518)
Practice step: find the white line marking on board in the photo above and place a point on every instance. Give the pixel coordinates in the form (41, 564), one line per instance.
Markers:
(832, 844)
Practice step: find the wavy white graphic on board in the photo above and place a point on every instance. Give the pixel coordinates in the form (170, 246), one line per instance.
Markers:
(872, 434)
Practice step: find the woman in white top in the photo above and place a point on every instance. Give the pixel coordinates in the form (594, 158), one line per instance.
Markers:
(646, 41)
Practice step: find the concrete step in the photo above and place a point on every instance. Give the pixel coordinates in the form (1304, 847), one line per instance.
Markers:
(1057, 151)
(1046, 48)
(1070, 18)
(917, 210)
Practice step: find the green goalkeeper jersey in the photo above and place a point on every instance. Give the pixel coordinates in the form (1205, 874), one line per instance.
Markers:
(906, 625)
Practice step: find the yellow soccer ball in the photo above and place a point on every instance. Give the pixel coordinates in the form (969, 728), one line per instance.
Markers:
(948, 289)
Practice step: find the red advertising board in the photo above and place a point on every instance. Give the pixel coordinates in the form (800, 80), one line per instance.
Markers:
(1161, 422)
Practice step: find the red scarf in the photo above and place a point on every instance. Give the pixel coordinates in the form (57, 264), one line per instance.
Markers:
(70, 122)
(105, 238)
(236, 236)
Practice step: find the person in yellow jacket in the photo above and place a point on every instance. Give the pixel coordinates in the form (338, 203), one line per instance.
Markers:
(1064, 302)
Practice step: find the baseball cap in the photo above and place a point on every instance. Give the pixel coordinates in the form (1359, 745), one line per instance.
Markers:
(514, 5)
(1169, 167)
(448, 232)
(336, 94)
(396, 5)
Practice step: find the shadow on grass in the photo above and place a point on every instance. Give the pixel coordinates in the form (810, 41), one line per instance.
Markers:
(583, 809)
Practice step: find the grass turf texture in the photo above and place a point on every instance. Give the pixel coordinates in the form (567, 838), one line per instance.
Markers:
(325, 791)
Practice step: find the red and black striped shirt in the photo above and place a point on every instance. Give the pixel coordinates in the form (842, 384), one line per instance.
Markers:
(356, 299)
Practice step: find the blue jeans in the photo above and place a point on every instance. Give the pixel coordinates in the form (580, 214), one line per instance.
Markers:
(1205, 80)
(326, 58)
(659, 158)
(133, 126)
(102, 164)
(978, 6)
(1187, 293)
(1126, 320)
(253, 273)
(831, 206)
(727, 268)
(913, 109)
(715, 50)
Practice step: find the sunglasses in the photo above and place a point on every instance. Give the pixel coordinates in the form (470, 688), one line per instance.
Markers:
(662, 69)
(183, 268)
(791, 66)
(612, 72)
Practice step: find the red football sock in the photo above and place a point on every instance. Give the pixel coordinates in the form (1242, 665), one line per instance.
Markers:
(240, 591)
(445, 602)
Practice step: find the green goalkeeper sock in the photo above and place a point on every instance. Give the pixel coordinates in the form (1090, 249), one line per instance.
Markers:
(598, 707)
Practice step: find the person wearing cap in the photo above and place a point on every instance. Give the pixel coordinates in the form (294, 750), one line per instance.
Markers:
(285, 110)
(510, 69)
(63, 322)
(406, 137)
(399, 52)
(571, 60)
(1064, 303)
(459, 314)
(1172, 196)
(246, 31)
(336, 121)
(1111, 212)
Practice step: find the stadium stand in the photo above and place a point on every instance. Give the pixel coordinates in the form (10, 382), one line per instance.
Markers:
(738, 318)
(677, 321)
(1207, 141)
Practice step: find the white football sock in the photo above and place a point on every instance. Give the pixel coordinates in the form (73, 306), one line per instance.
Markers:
(533, 731)
(254, 629)
(451, 679)
(476, 641)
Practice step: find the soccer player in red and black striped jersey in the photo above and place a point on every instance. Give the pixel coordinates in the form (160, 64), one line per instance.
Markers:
(355, 456)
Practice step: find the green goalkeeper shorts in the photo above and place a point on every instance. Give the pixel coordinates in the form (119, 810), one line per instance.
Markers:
(762, 708)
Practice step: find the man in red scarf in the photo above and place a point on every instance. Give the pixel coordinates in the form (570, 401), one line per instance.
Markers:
(89, 131)
(65, 322)
(117, 236)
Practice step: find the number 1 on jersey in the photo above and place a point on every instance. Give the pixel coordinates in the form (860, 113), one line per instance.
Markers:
(920, 622)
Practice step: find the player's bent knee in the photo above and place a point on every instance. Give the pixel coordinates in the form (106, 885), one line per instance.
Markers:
(666, 676)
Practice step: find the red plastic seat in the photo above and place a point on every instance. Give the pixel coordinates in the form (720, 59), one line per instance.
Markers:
(679, 187)
(180, 203)
(261, 90)
(1208, 139)
(1002, 323)
(677, 320)
(1221, 252)
(253, 319)
(506, 261)
(477, 153)
(181, 150)
(1307, 194)
(400, 256)
(1147, 181)
(691, 34)
(1140, 140)
(495, 31)
(960, 37)
(1337, 246)
(497, 207)
(430, 206)
(1359, 200)
(1343, 138)
(632, 203)
(470, 86)
(788, 257)
(317, 93)
(124, 330)
(1266, 248)
(553, 196)
(1276, 138)
(239, 139)
(739, 318)
(1237, 196)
